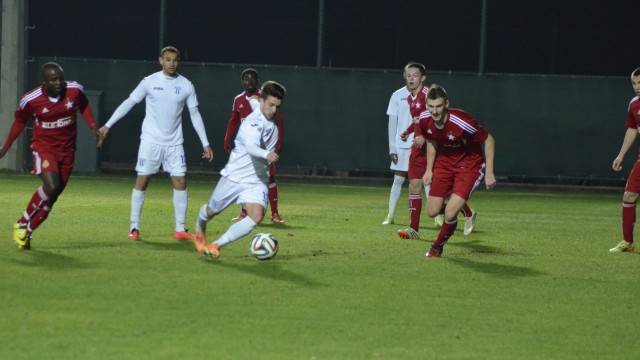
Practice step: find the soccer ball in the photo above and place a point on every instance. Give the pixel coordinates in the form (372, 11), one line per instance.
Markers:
(264, 246)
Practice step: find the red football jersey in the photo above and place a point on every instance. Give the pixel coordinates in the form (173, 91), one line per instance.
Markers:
(54, 122)
(418, 103)
(242, 109)
(459, 141)
(633, 114)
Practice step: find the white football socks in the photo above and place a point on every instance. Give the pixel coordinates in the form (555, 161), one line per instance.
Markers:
(137, 201)
(236, 231)
(396, 189)
(203, 219)
(180, 201)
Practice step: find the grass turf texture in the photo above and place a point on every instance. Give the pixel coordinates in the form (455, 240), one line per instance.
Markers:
(535, 280)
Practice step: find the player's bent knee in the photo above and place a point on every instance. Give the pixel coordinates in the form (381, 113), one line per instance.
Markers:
(630, 197)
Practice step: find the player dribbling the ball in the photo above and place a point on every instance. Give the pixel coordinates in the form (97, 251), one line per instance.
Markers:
(245, 177)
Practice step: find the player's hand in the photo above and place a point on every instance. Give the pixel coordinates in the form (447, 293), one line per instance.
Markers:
(394, 158)
(490, 180)
(207, 153)
(103, 131)
(99, 138)
(404, 136)
(2, 152)
(418, 141)
(273, 157)
(427, 178)
(617, 164)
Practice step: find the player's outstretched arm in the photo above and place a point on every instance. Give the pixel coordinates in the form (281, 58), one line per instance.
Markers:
(489, 153)
(427, 178)
(629, 138)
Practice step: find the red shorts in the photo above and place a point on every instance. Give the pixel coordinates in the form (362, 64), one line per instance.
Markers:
(61, 163)
(417, 163)
(633, 182)
(461, 182)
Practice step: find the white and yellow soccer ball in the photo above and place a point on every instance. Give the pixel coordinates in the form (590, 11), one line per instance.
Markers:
(264, 246)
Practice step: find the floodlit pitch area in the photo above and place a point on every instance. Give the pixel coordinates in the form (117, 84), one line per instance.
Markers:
(534, 280)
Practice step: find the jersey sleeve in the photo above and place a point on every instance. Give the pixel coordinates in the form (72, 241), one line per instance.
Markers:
(85, 110)
(480, 134)
(632, 122)
(138, 94)
(392, 109)
(251, 133)
(21, 116)
(280, 125)
(192, 100)
(232, 127)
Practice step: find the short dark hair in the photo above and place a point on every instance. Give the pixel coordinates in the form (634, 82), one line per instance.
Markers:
(50, 66)
(272, 88)
(636, 72)
(416, 65)
(171, 49)
(249, 71)
(436, 91)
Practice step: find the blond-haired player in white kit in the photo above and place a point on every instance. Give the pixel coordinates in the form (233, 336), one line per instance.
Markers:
(400, 119)
(165, 93)
(245, 177)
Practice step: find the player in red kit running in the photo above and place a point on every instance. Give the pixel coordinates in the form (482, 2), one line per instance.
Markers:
(632, 189)
(52, 108)
(455, 164)
(242, 109)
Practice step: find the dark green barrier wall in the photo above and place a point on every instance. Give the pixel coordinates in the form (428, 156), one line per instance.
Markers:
(545, 127)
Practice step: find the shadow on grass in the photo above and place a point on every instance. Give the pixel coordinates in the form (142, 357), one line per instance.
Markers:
(497, 270)
(490, 268)
(47, 259)
(473, 246)
(270, 270)
(269, 225)
(171, 245)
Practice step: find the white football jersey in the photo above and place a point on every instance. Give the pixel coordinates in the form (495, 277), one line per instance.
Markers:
(399, 107)
(165, 98)
(256, 138)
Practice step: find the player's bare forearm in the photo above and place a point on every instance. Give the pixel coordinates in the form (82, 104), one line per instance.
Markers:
(489, 153)
(629, 139)
(490, 180)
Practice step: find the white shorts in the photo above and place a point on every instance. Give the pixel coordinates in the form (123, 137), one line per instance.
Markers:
(403, 160)
(151, 156)
(227, 192)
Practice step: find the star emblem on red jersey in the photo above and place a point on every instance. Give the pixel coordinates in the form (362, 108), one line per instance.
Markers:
(451, 137)
(69, 104)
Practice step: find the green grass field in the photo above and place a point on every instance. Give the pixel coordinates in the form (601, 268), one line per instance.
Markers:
(534, 281)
